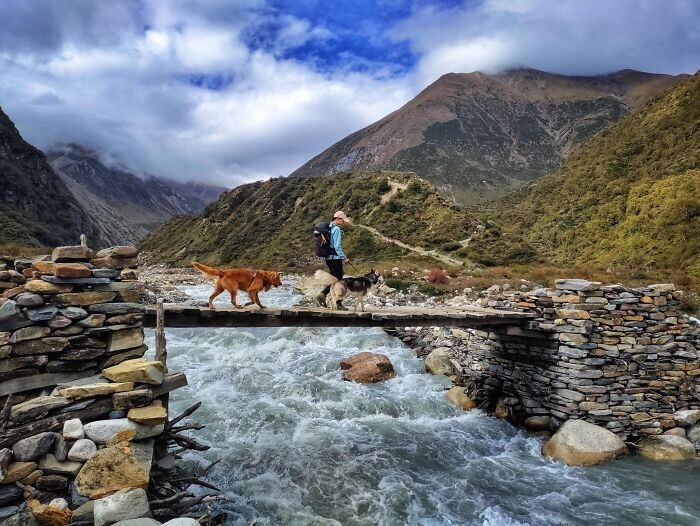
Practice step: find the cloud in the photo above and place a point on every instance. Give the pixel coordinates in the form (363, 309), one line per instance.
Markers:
(229, 92)
(563, 36)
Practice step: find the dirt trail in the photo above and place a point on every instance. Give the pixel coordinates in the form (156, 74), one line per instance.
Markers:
(447, 260)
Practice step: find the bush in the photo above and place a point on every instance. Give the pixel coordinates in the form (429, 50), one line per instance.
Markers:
(401, 285)
(437, 275)
(432, 290)
(451, 246)
(384, 186)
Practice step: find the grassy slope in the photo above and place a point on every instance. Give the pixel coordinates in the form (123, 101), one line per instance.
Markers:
(271, 222)
(630, 197)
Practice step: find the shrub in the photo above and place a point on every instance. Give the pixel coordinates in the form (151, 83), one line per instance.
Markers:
(437, 275)
(432, 290)
(451, 246)
(401, 285)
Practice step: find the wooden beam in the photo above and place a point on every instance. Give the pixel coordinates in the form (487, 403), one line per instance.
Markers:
(180, 316)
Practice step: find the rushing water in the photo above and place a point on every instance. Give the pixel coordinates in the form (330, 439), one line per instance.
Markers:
(301, 446)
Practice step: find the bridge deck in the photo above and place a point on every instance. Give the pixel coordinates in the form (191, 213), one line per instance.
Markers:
(188, 316)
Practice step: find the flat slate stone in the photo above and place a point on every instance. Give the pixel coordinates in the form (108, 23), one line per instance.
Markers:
(71, 253)
(45, 313)
(76, 281)
(9, 494)
(29, 333)
(117, 308)
(36, 407)
(105, 272)
(49, 464)
(74, 313)
(33, 447)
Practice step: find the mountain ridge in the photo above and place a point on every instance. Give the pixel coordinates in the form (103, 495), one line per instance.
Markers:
(476, 136)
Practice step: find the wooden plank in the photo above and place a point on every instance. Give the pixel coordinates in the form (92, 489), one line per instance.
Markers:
(170, 383)
(54, 423)
(37, 381)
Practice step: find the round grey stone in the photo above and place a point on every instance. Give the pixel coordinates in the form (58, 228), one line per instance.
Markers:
(29, 299)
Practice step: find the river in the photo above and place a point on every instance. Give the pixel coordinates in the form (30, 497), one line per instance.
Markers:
(302, 447)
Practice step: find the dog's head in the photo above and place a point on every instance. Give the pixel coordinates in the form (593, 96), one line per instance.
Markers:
(271, 279)
(375, 277)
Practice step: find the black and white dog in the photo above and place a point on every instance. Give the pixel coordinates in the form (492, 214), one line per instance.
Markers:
(358, 287)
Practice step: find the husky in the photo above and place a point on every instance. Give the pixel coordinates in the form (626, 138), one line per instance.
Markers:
(358, 287)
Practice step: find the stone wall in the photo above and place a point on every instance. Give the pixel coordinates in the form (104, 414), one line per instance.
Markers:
(622, 358)
(80, 404)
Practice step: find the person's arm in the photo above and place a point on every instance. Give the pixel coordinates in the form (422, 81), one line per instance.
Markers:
(335, 241)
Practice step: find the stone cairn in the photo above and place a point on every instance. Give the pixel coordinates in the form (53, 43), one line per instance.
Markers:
(625, 359)
(82, 409)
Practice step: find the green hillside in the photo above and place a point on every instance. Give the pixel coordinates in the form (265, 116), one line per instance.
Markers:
(630, 197)
(271, 222)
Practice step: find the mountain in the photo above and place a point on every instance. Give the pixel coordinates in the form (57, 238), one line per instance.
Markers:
(126, 206)
(630, 196)
(36, 206)
(395, 215)
(478, 136)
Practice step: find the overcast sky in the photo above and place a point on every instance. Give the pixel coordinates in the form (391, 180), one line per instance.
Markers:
(233, 91)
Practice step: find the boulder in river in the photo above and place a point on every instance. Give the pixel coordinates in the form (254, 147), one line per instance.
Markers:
(438, 361)
(666, 447)
(580, 443)
(367, 368)
(458, 397)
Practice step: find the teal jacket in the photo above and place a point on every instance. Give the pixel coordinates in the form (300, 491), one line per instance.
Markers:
(336, 242)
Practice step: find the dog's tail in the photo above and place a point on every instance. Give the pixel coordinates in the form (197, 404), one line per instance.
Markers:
(209, 271)
(324, 277)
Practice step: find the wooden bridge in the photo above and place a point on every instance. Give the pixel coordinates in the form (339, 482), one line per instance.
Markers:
(176, 315)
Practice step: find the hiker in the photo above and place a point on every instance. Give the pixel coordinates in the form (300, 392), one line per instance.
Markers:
(329, 247)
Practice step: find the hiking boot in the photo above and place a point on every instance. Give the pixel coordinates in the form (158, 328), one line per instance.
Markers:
(321, 300)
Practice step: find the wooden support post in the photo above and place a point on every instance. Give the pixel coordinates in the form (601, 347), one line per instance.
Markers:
(162, 357)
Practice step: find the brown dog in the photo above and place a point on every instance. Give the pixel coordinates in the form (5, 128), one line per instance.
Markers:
(245, 279)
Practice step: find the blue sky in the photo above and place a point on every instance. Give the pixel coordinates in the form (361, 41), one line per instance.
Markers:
(236, 90)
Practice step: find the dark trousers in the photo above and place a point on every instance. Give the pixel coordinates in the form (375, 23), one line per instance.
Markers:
(335, 267)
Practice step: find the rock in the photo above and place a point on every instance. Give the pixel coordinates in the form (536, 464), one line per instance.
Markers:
(666, 447)
(678, 431)
(45, 313)
(537, 423)
(40, 286)
(31, 479)
(693, 435)
(365, 368)
(105, 273)
(61, 447)
(438, 361)
(59, 322)
(182, 521)
(83, 298)
(18, 516)
(102, 431)
(49, 515)
(5, 461)
(686, 417)
(88, 391)
(139, 370)
(118, 252)
(33, 447)
(131, 399)
(73, 429)
(59, 503)
(72, 253)
(43, 267)
(113, 415)
(576, 284)
(9, 494)
(501, 410)
(151, 415)
(458, 397)
(129, 274)
(125, 339)
(115, 263)
(82, 450)
(116, 467)
(12, 276)
(43, 346)
(74, 313)
(84, 513)
(17, 471)
(49, 464)
(29, 299)
(93, 320)
(37, 407)
(72, 270)
(52, 483)
(139, 522)
(580, 443)
(128, 504)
